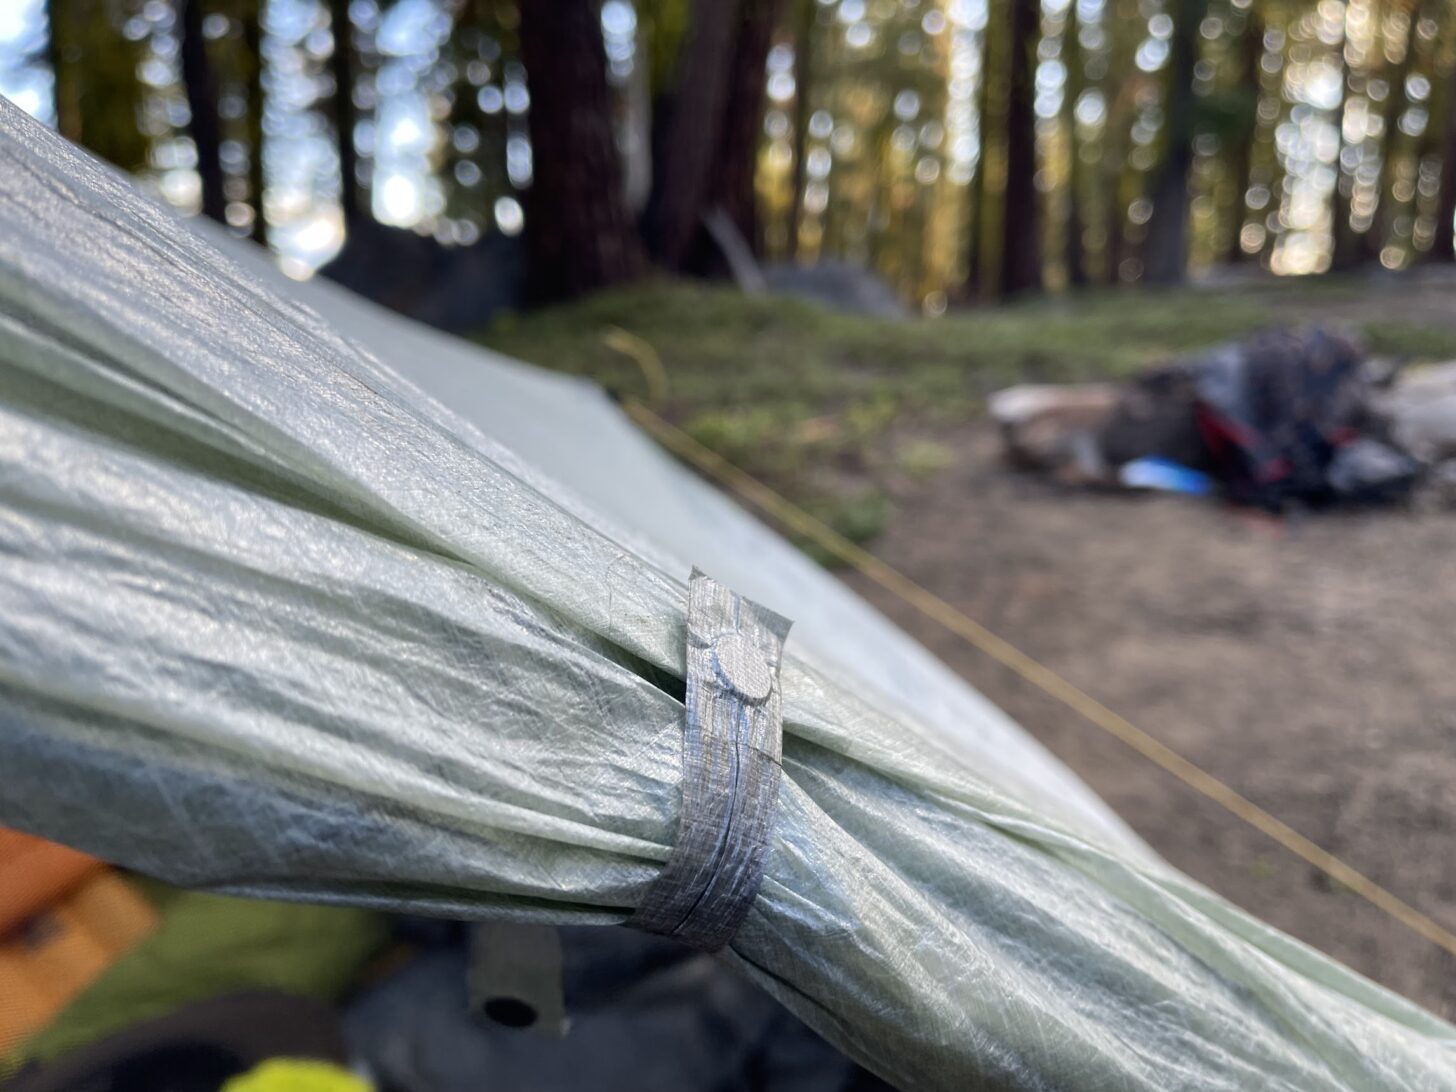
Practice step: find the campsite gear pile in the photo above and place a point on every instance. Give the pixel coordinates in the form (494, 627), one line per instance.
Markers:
(281, 623)
(1286, 417)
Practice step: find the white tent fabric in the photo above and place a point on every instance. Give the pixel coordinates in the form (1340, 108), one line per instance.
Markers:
(277, 622)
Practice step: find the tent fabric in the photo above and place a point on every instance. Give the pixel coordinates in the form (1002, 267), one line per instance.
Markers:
(279, 623)
(667, 516)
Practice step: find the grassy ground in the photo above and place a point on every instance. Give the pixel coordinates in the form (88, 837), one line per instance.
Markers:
(806, 398)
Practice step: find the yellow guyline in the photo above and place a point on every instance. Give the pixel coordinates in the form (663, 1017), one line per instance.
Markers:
(1040, 676)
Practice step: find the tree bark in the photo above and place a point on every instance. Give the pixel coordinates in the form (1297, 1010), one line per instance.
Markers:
(803, 81)
(976, 286)
(1115, 176)
(743, 120)
(1072, 55)
(1020, 224)
(205, 128)
(1241, 168)
(1345, 249)
(257, 183)
(683, 160)
(975, 214)
(97, 91)
(1443, 245)
(341, 67)
(60, 54)
(578, 234)
(1165, 253)
(1373, 238)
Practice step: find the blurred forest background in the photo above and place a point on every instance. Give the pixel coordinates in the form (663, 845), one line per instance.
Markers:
(963, 149)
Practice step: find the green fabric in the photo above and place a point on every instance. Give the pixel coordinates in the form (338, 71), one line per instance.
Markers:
(208, 945)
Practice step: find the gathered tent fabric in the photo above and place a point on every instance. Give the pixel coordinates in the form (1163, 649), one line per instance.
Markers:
(302, 601)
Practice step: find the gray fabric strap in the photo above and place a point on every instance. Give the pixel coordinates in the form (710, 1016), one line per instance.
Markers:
(732, 749)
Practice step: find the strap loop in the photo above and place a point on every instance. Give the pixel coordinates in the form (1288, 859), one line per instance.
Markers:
(732, 754)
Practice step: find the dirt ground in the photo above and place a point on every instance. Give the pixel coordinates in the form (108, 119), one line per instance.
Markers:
(1311, 667)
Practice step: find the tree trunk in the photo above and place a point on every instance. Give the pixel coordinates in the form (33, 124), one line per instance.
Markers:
(1117, 179)
(683, 160)
(1241, 166)
(975, 215)
(205, 128)
(743, 120)
(97, 91)
(257, 183)
(341, 67)
(1166, 250)
(1072, 54)
(60, 54)
(803, 81)
(637, 128)
(1345, 246)
(1374, 238)
(1020, 224)
(578, 234)
(976, 287)
(1443, 246)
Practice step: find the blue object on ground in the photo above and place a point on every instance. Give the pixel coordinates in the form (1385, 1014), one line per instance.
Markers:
(1166, 475)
